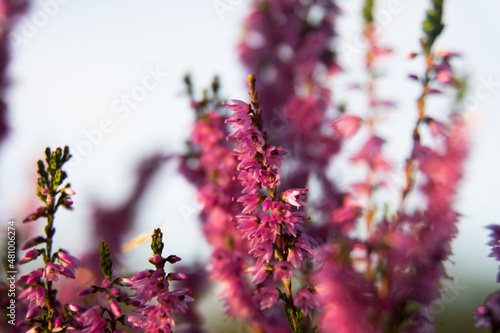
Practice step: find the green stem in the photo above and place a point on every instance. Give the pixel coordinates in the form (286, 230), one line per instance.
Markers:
(288, 287)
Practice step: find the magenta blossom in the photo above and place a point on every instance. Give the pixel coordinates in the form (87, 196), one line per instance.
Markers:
(294, 197)
(266, 297)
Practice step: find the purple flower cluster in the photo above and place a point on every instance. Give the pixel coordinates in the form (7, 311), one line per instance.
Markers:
(278, 241)
(211, 167)
(151, 285)
(287, 44)
(44, 309)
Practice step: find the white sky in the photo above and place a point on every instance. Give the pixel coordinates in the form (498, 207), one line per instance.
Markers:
(70, 71)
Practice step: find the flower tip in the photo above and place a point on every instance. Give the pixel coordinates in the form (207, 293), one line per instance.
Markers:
(69, 191)
(87, 291)
(126, 282)
(411, 55)
(73, 307)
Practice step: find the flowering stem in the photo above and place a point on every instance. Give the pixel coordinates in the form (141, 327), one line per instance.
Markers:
(288, 287)
(432, 27)
(49, 232)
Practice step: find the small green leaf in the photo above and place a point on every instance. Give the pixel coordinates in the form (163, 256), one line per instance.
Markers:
(300, 317)
(106, 262)
(47, 155)
(66, 154)
(288, 313)
(57, 178)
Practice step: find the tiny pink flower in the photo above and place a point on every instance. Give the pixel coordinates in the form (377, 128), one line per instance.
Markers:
(40, 211)
(266, 297)
(126, 282)
(253, 142)
(175, 276)
(67, 202)
(156, 259)
(30, 255)
(52, 272)
(69, 191)
(269, 177)
(73, 307)
(437, 128)
(173, 259)
(260, 272)
(87, 291)
(142, 275)
(247, 224)
(282, 270)
(267, 204)
(35, 276)
(294, 196)
(274, 156)
(91, 315)
(250, 202)
(114, 292)
(263, 252)
(37, 297)
(68, 261)
(33, 312)
(115, 308)
(33, 242)
(307, 301)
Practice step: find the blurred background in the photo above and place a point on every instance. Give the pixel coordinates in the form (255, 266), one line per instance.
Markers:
(72, 76)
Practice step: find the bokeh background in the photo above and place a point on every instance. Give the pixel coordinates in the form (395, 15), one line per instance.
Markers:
(73, 71)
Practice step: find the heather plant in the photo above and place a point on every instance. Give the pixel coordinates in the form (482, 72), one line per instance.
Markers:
(277, 241)
(488, 314)
(287, 253)
(45, 312)
(99, 317)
